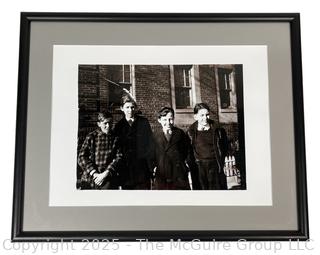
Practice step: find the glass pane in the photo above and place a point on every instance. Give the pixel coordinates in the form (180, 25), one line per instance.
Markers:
(118, 77)
(182, 97)
(224, 88)
(178, 77)
(187, 78)
(126, 73)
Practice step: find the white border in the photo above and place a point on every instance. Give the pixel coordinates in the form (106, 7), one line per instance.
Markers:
(64, 127)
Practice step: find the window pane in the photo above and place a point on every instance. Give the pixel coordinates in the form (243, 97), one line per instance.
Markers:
(224, 88)
(183, 86)
(178, 77)
(186, 79)
(126, 73)
(119, 78)
(182, 97)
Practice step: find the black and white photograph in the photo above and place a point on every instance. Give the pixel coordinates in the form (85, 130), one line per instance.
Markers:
(160, 127)
(154, 125)
(157, 126)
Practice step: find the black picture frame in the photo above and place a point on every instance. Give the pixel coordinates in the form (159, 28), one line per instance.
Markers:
(292, 19)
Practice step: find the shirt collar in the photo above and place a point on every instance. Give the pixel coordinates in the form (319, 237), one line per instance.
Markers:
(203, 128)
(102, 133)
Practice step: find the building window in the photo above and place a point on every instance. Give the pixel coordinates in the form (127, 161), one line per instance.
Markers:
(184, 86)
(226, 88)
(227, 98)
(120, 80)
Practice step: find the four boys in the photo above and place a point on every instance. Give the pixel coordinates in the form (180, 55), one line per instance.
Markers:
(127, 156)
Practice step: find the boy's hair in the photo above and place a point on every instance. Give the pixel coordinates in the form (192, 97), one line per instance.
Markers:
(126, 98)
(104, 115)
(164, 111)
(200, 106)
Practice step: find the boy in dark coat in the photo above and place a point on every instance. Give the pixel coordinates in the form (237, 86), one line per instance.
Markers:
(172, 148)
(135, 136)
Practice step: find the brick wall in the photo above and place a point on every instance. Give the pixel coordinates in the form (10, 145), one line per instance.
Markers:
(208, 89)
(89, 96)
(152, 91)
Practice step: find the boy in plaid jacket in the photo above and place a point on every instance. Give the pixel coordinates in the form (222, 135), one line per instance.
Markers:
(100, 156)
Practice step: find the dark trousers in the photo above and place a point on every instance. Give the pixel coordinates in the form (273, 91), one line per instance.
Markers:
(139, 186)
(108, 185)
(161, 184)
(209, 176)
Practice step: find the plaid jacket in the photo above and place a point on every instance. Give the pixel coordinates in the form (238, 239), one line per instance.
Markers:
(100, 152)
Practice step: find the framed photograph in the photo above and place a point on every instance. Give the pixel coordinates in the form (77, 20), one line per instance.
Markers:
(163, 127)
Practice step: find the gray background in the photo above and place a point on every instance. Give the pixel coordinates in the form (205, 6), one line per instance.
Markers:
(39, 217)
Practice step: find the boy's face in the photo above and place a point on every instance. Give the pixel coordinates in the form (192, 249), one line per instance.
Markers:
(128, 109)
(105, 125)
(202, 116)
(166, 121)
